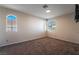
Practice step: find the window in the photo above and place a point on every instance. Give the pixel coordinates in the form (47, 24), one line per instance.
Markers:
(51, 25)
(11, 23)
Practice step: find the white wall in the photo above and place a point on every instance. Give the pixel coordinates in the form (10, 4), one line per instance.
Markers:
(66, 29)
(28, 27)
(31, 27)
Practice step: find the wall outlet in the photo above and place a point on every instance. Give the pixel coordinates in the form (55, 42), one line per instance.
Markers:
(6, 40)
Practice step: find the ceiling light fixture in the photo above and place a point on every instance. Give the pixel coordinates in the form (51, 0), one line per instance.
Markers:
(46, 8)
(47, 11)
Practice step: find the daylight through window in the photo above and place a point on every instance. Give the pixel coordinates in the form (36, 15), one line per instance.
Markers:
(51, 25)
(11, 23)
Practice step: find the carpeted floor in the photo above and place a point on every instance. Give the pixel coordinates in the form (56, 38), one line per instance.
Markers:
(44, 46)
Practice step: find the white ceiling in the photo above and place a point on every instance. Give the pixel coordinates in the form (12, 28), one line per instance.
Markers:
(39, 11)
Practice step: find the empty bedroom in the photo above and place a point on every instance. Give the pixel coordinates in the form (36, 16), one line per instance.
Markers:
(39, 29)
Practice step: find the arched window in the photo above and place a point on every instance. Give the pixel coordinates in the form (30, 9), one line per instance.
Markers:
(11, 23)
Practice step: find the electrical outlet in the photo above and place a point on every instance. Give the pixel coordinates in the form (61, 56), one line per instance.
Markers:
(6, 40)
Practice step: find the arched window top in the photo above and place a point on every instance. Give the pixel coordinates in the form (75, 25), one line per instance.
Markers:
(11, 17)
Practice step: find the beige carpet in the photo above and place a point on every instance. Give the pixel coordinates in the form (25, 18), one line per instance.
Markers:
(44, 46)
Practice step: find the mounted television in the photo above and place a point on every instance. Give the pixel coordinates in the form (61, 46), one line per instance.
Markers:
(77, 13)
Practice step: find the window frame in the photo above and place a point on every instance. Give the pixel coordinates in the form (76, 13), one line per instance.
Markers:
(11, 25)
(51, 27)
